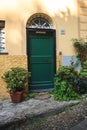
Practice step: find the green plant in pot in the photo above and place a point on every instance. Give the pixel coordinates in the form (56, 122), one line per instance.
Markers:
(17, 80)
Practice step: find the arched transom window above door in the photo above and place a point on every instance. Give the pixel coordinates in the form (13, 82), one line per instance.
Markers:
(39, 21)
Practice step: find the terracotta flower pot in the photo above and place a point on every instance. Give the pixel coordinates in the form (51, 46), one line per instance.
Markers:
(16, 97)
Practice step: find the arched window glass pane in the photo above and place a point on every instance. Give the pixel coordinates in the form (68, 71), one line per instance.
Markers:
(39, 22)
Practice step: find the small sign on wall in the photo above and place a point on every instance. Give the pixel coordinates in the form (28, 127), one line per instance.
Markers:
(62, 31)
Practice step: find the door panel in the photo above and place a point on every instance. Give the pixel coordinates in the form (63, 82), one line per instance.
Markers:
(41, 60)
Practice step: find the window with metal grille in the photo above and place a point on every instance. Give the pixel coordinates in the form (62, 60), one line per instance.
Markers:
(2, 36)
(39, 22)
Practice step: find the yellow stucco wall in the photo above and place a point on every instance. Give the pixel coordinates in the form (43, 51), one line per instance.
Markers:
(7, 62)
(64, 15)
(16, 13)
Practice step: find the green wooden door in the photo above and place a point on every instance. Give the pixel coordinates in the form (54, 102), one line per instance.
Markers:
(41, 58)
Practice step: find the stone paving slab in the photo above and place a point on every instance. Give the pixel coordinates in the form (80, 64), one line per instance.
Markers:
(10, 112)
(81, 126)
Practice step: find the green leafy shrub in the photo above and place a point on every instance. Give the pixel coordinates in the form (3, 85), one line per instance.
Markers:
(64, 92)
(81, 48)
(67, 73)
(81, 82)
(16, 78)
(64, 81)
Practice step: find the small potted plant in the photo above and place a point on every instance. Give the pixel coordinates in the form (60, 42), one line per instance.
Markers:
(17, 80)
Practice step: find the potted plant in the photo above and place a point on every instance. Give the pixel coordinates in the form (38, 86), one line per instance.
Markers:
(17, 80)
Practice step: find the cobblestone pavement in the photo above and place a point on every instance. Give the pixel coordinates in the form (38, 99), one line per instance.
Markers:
(73, 118)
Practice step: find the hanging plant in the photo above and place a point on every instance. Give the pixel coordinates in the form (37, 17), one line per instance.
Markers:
(81, 48)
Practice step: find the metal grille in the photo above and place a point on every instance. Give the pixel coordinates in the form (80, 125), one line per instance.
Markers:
(2, 36)
(39, 22)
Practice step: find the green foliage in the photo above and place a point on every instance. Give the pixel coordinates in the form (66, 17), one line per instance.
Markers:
(64, 92)
(83, 74)
(64, 81)
(67, 73)
(81, 47)
(16, 78)
(83, 71)
(79, 44)
(29, 96)
(81, 82)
